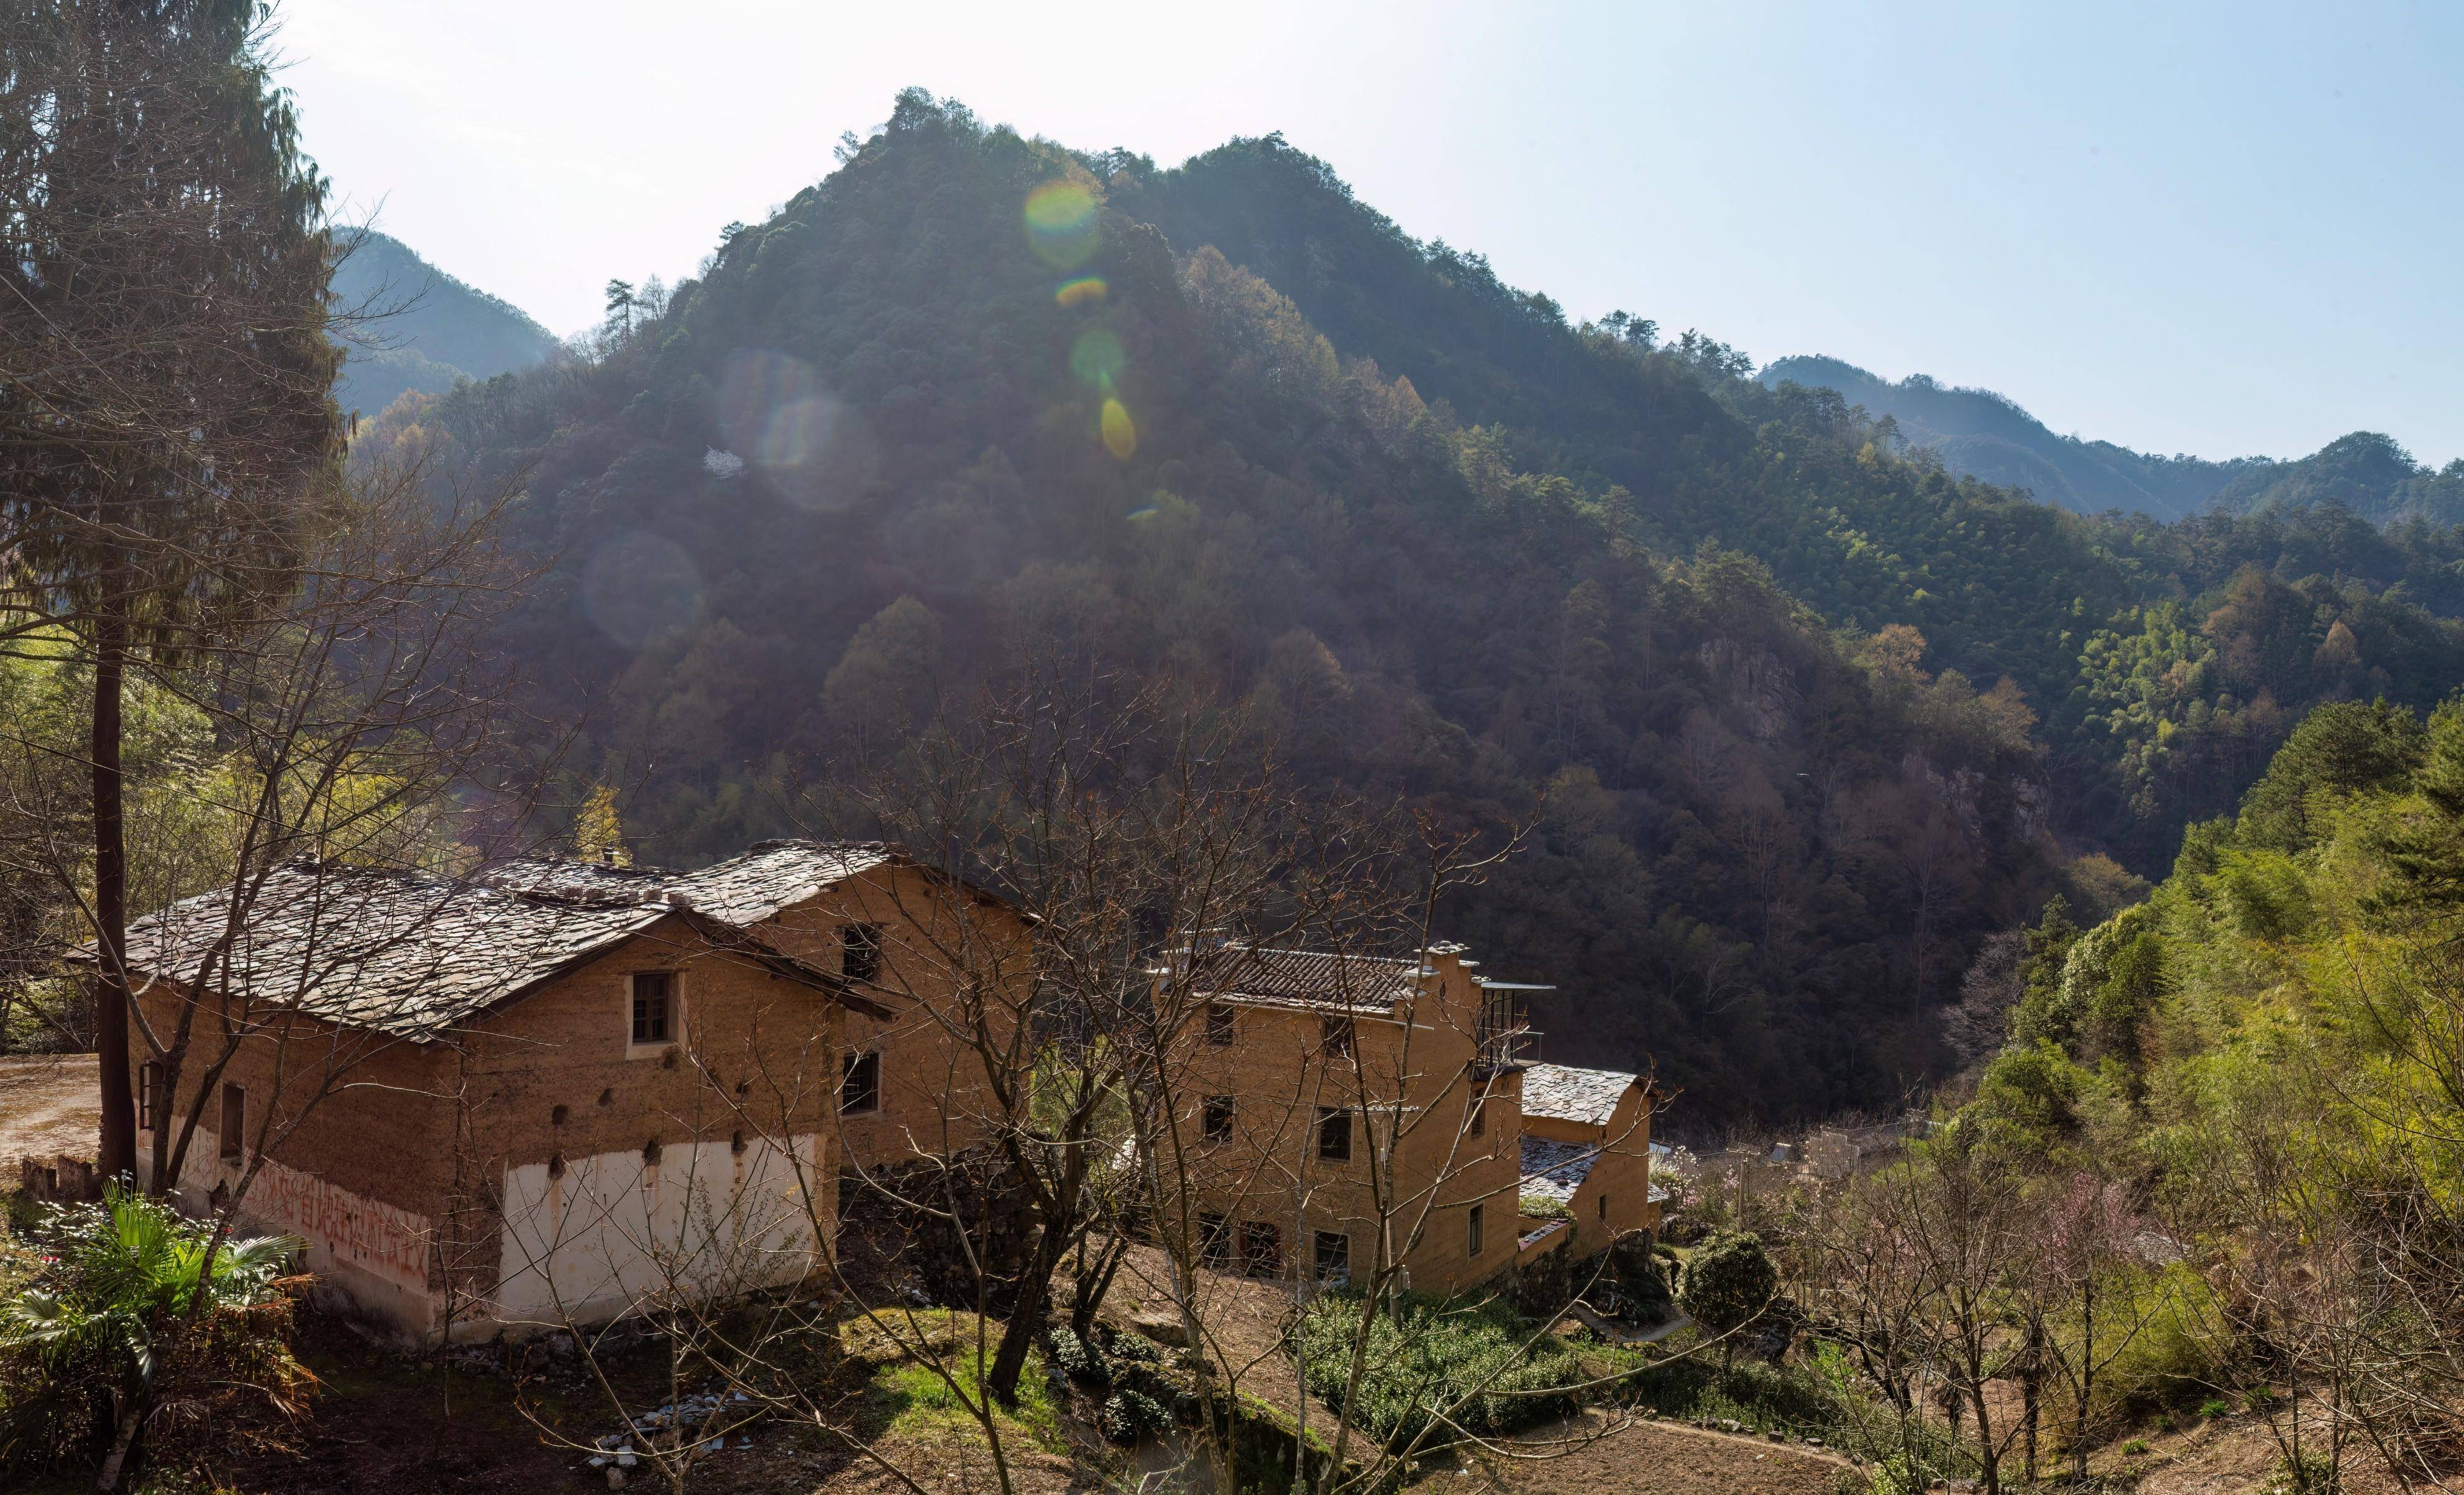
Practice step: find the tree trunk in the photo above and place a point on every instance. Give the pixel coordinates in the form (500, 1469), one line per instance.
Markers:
(125, 1420)
(1025, 1320)
(116, 1155)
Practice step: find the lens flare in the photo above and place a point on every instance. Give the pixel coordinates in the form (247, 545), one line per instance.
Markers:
(1096, 357)
(1060, 224)
(1088, 290)
(1120, 433)
(640, 586)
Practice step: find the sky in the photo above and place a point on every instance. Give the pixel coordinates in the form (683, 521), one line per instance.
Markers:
(2223, 229)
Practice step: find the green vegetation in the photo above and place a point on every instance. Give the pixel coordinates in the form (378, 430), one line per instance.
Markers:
(1728, 1281)
(1474, 1363)
(121, 1317)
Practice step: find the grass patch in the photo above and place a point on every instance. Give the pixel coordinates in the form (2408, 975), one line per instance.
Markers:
(912, 1395)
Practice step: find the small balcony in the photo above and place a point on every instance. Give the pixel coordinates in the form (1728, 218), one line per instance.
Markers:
(1504, 1040)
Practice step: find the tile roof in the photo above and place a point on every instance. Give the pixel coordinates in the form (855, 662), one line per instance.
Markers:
(1557, 1169)
(1314, 979)
(413, 954)
(1562, 1092)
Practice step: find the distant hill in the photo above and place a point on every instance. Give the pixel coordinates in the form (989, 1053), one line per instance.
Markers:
(1988, 436)
(427, 327)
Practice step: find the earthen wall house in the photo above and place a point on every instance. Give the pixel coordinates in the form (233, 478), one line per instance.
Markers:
(1587, 1146)
(1313, 1070)
(502, 1143)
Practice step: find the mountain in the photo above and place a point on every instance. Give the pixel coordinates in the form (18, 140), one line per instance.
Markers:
(422, 329)
(1985, 435)
(1804, 714)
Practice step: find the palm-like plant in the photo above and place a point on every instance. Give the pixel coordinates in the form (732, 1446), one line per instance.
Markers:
(132, 1287)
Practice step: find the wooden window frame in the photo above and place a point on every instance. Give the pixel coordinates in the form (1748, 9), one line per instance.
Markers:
(859, 947)
(671, 1019)
(1476, 1232)
(1218, 1116)
(1329, 1264)
(1222, 1024)
(1334, 1134)
(232, 1140)
(849, 1066)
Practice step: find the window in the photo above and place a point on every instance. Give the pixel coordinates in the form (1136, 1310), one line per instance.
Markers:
(1479, 1116)
(1219, 1118)
(234, 1121)
(1604, 1206)
(1335, 1134)
(1333, 1257)
(1262, 1249)
(1474, 1236)
(1214, 1240)
(858, 1084)
(654, 1000)
(860, 951)
(1337, 1036)
(150, 1084)
(1222, 1024)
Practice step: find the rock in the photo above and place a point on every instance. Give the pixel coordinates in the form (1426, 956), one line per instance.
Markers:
(615, 1479)
(1164, 1328)
(625, 1459)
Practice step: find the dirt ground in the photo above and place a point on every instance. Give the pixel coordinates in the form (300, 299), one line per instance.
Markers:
(1244, 1319)
(47, 1107)
(1596, 1455)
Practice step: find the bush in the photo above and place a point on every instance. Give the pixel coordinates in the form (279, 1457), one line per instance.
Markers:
(1076, 1358)
(123, 1326)
(1129, 1415)
(1728, 1281)
(1472, 1363)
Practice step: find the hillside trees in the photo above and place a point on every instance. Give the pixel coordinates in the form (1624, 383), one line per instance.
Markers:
(166, 418)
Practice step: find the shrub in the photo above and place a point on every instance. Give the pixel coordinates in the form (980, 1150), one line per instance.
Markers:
(1545, 1207)
(1077, 1359)
(1728, 1281)
(2135, 1447)
(2213, 1407)
(1129, 1415)
(122, 1328)
(1472, 1363)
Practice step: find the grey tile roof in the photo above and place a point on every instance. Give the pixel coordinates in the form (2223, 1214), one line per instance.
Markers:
(414, 954)
(1557, 1169)
(1562, 1092)
(1314, 978)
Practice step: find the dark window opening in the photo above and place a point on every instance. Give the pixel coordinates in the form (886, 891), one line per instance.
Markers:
(1335, 1134)
(860, 1084)
(1479, 1116)
(149, 1088)
(1333, 1256)
(650, 1151)
(1262, 1249)
(555, 1115)
(1604, 1206)
(1222, 1024)
(860, 951)
(1214, 1240)
(234, 1121)
(1338, 1036)
(1219, 1118)
(1474, 1236)
(653, 998)
(556, 1165)
(736, 1144)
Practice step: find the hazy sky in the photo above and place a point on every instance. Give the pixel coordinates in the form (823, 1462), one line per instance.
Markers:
(2217, 229)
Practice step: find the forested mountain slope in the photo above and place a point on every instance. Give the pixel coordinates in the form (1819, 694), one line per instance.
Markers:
(1812, 714)
(1981, 435)
(420, 328)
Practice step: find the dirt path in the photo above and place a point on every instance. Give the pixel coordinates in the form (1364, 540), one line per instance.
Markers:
(1598, 1454)
(48, 1106)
